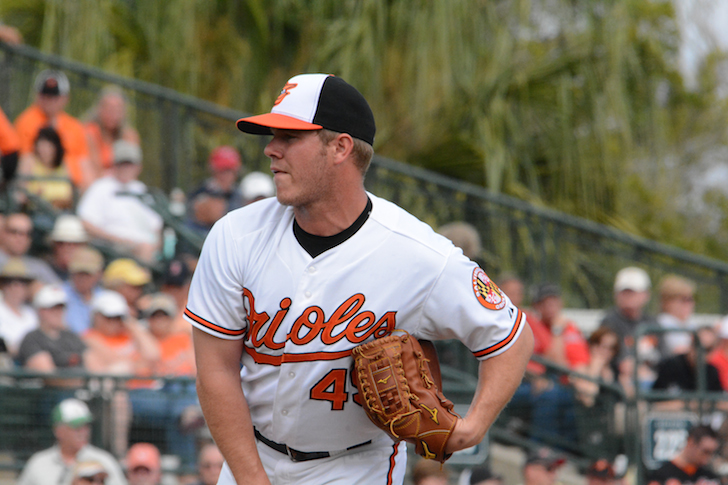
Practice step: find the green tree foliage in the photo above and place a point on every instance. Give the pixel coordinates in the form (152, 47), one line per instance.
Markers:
(575, 104)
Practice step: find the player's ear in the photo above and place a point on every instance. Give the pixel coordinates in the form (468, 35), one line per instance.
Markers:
(342, 146)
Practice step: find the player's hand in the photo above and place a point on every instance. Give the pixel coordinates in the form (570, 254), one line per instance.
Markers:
(463, 436)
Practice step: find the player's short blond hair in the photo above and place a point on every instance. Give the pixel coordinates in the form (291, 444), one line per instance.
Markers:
(362, 152)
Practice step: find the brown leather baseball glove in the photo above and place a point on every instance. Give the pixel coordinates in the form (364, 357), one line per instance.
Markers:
(399, 394)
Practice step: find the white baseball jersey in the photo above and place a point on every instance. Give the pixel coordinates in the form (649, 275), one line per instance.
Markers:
(300, 316)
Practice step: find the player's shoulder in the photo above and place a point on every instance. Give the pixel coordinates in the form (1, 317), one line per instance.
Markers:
(406, 226)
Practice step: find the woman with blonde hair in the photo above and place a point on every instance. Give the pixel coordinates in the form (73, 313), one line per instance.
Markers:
(107, 123)
(677, 305)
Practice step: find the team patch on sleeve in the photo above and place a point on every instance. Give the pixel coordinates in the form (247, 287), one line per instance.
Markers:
(486, 291)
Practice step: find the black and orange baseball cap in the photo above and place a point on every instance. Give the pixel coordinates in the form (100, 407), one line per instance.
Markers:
(313, 102)
(52, 83)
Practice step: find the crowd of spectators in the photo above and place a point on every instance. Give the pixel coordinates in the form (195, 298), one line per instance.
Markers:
(565, 402)
(95, 295)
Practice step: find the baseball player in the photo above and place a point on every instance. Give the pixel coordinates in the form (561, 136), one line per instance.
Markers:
(289, 285)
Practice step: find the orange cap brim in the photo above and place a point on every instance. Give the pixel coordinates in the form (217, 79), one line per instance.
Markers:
(261, 124)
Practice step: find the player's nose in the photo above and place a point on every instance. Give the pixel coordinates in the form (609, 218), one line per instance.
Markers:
(272, 149)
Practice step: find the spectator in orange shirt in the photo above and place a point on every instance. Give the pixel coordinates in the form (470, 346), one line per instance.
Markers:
(719, 356)
(556, 338)
(107, 124)
(167, 408)
(52, 88)
(545, 399)
(9, 148)
(177, 356)
(117, 342)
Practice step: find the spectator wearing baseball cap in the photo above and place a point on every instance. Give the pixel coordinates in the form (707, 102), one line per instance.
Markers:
(112, 209)
(143, 464)
(217, 194)
(165, 410)
(71, 419)
(17, 318)
(67, 235)
(129, 278)
(632, 292)
(601, 472)
(117, 342)
(52, 90)
(541, 466)
(84, 269)
(256, 186)
(52, 346)
(177, 355)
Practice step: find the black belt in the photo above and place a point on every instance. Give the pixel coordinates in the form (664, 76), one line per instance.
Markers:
(302, 455)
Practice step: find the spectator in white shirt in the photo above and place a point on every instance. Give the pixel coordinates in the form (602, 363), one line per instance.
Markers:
(112, 211)
(17, 318)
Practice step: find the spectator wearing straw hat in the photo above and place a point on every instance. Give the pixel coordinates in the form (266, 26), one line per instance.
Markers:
(89, 472)
(71, 420)
(85, 270)
(52, 90)
(17, 318)
(66, 237)
(112, 209)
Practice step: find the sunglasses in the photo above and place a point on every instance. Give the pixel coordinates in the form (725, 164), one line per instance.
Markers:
(97, 479)
(17, 232)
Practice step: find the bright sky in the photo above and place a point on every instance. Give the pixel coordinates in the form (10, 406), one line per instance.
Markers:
(703, 24)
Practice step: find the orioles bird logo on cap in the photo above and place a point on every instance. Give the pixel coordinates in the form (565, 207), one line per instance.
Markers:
(284, 92)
